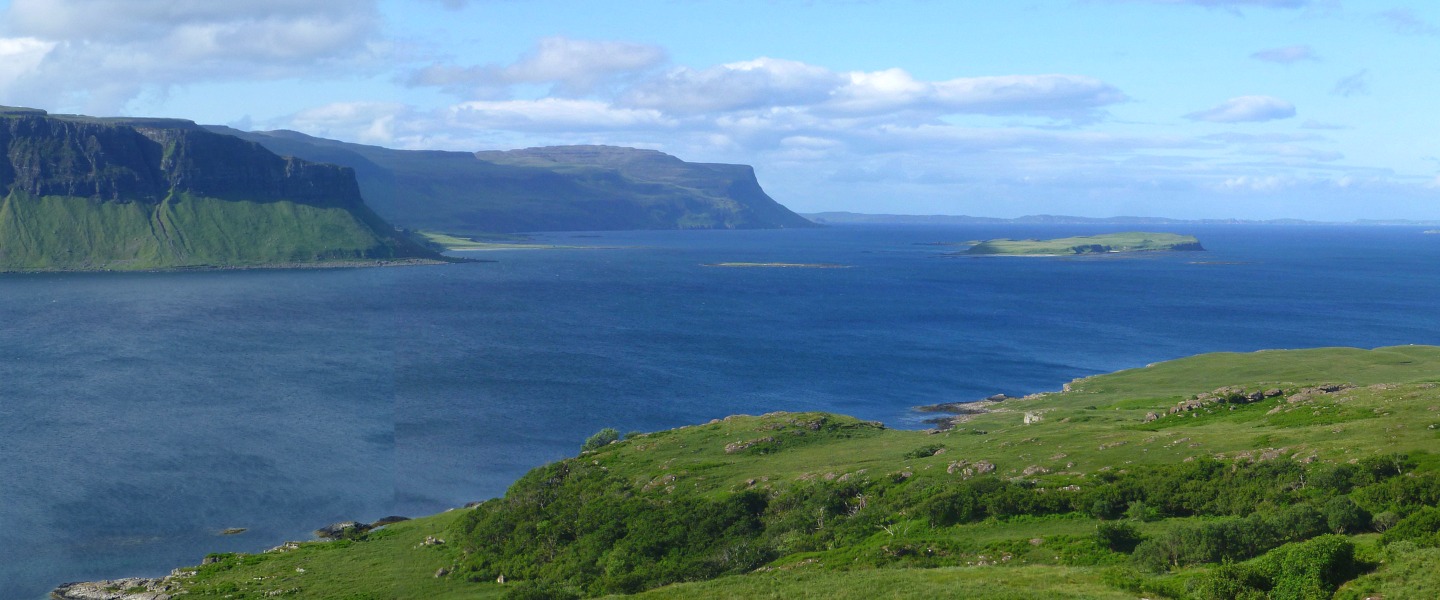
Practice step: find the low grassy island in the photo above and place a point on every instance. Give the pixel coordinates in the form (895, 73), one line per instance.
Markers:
(1275, 474)
(1110, 243)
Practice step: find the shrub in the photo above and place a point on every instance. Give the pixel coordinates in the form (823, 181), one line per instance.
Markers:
(1139, 511)
(1422, 528)
(1309, 570)
(1232, 581)
(1384, 521)
(1118, 537)
(925, 451)
(601, 439)
(1343, 516)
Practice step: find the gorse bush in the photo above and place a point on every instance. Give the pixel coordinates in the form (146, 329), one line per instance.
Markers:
(601, 439)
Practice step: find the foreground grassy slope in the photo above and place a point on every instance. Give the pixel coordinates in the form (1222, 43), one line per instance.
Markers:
(1090, 244)
(1098, 496)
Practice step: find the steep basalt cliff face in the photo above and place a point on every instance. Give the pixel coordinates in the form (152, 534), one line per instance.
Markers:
(85, 193)
(558, 188)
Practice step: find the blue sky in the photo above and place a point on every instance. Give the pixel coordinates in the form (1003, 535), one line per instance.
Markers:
(1320, 109)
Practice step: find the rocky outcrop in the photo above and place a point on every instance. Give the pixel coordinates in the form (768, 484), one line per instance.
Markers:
(130, 588)
(1224, 395)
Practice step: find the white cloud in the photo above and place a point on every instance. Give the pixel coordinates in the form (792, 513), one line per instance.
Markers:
(759, 83)
(102, 53)
(1246, 108)
(1286, 55)
(19, 56)
(1026, 94)
(575, 67)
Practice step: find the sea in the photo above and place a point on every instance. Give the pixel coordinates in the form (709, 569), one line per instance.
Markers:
(143, 413)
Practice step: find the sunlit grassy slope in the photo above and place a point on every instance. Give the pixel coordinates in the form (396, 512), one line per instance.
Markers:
(64, 232)
(1078, 439)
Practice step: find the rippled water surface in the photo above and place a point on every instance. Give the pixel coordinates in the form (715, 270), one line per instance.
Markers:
(140, 414)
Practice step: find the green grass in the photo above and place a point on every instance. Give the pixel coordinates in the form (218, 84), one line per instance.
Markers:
(71, 233)
(991, 583)
(1094, 244)
(391, 563)
(1093, 430)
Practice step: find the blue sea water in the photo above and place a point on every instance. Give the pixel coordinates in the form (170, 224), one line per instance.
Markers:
(140, 414)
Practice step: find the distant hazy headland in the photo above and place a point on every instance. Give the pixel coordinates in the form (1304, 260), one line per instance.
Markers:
(840, 218)
(559, 188)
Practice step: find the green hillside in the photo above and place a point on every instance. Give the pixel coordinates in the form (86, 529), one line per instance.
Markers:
(1090, 244)
(1278, 474)
(82, 193)
(562, 188)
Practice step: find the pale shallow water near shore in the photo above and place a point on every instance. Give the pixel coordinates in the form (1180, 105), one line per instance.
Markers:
(141, 414)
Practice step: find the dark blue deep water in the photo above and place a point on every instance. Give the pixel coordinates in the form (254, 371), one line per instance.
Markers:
(142, 413)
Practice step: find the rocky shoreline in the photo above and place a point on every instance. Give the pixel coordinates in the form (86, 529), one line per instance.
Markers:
(172, 585)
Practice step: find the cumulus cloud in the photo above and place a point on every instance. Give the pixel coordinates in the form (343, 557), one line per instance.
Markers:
(366, 122)
(573, 66)
(1246, 109)
(763, 82)
(1353, 85)
(1286, 55)
(104, 52)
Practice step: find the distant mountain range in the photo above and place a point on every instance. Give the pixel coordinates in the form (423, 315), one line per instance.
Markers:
(84, 193)
(839, 218)
(561, 188)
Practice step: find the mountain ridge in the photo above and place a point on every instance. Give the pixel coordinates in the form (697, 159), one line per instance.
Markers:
(553, 188)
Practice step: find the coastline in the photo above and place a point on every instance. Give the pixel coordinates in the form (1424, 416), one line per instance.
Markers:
(342, 264)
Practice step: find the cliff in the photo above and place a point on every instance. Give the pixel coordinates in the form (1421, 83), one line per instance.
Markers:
(84, 193)
(562, 188)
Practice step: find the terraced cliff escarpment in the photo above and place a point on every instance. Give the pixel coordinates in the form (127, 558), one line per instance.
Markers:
(82, 193)
(555, 188)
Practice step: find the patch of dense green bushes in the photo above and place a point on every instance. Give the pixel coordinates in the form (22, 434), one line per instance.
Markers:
(573, 527)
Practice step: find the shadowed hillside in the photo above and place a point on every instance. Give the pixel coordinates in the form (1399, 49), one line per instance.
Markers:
(563, 188)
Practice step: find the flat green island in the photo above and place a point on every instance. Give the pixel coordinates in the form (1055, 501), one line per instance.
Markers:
(1272, 474)
(1110, 243)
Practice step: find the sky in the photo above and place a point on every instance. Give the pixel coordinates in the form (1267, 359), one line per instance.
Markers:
(1257, 109)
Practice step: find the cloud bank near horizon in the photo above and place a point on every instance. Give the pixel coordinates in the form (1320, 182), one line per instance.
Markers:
(1009, 141)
